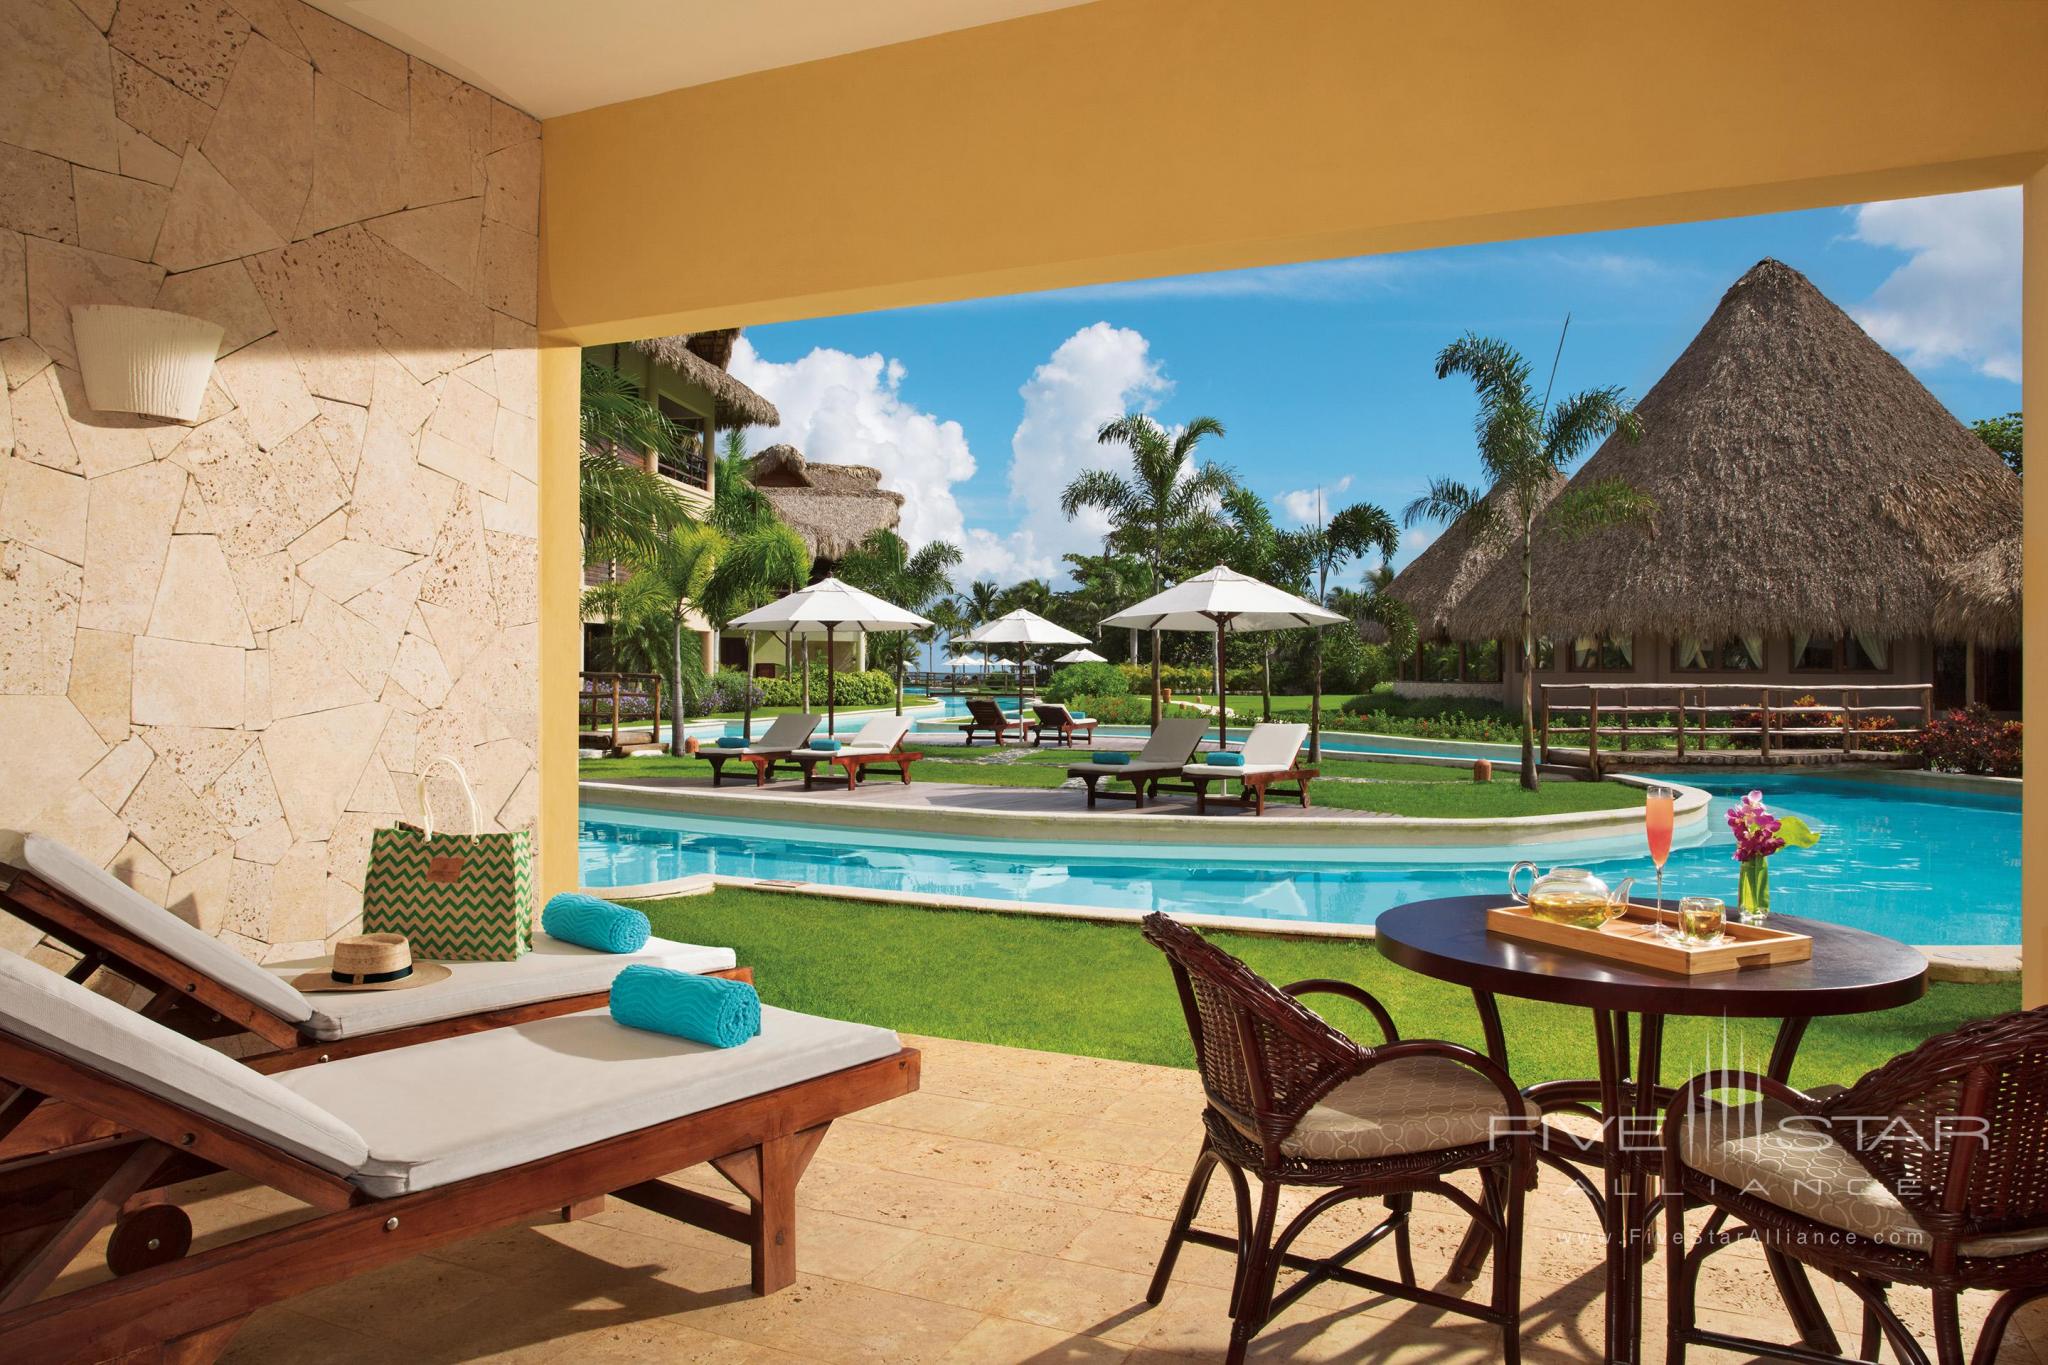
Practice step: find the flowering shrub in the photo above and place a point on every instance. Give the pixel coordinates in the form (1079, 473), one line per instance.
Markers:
(727, 690)
(1971, 741)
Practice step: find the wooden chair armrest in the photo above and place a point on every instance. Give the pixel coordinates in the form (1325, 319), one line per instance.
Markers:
(1355, 994)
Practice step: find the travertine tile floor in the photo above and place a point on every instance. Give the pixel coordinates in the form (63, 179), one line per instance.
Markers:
(1010, 1211)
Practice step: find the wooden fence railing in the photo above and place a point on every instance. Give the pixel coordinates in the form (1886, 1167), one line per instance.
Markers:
(1694, 720)
(621, 711)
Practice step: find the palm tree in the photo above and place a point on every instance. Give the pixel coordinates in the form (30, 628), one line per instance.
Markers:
(1329, 547)
(1164, 493)
(884, 565)
(759, 564)
(981, 604)
(1524, 446)
(1031, 594)
(1107, 583)
(948, 620)
(626, 509)
(1255, 546)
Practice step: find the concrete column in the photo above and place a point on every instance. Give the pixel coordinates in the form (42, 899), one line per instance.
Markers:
(2034, 660)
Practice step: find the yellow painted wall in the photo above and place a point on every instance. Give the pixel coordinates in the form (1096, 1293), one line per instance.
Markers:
(1144, 137)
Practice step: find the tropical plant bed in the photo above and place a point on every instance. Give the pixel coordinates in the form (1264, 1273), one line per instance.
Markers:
(1099, 990)
(1415, 790)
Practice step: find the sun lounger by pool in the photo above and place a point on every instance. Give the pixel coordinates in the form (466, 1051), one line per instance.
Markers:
(1059, 722)
(880, 741)
(788, 732)
(986, 715)
(1270, 753)
(203, 988)
(1163, 756)
(396, 1153)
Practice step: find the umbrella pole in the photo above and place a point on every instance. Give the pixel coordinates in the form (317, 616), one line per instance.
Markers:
(831, 685)
(1023, 652)
(1222, 702)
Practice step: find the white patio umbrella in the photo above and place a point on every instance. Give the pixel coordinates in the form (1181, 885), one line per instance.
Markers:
(828, 607)
(1222, 600)
(1080, 656)
(1024, 629)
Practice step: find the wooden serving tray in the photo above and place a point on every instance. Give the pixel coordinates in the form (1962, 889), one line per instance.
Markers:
(1631, 938)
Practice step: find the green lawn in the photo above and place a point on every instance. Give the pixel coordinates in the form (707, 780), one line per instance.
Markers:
(1410, 789)
(1100, 990)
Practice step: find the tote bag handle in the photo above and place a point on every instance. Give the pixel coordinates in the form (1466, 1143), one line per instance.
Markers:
(476, 819)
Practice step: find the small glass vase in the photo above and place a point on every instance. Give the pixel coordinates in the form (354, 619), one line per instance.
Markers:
(1754, 903)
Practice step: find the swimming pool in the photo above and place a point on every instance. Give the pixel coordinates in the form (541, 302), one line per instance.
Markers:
(1922, 865)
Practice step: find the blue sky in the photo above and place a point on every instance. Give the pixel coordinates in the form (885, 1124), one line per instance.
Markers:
(979, 412)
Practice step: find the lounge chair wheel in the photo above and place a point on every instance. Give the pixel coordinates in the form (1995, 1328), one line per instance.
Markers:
(151, 1236)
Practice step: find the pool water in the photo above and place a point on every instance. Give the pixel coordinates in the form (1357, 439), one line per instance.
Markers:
(1917, 864)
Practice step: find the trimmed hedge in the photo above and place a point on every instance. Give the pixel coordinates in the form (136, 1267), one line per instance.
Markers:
(872, 687)
(1092, 680)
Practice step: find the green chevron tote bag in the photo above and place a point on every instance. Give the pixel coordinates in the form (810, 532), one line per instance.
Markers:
(456, 897)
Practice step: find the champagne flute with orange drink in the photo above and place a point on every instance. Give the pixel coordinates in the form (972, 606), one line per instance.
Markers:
(1658, 817)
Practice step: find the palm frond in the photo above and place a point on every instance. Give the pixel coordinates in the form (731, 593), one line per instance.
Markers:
(1580, 420)
(1445, 501)
(1578, 512)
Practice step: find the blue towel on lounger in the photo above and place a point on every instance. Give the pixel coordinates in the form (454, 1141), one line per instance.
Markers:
(705, 1009)
(825, 746)
(1115, 758)
(1224, 760)
(732, 741)
(1077, 715)
(593, 923)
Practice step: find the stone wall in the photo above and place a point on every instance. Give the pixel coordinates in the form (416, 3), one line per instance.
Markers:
(227, 647)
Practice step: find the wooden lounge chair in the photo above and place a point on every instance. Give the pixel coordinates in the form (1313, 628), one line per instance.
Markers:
(986, 715)
(788, 732)
(1270, 753)
(880, 741)
(1059, 722)
(397, 1152)
(1294, 1102)
(1163, 756)
(206, 990)
(1929, 1171)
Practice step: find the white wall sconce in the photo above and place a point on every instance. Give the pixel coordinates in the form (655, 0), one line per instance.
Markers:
(144, 360)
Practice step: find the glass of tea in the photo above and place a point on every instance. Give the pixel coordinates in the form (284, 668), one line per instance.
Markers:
(1700, 921)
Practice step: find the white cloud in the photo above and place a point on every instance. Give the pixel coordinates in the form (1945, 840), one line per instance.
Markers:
(1098, 373)
(1957, 300)
(848, 409)
(1304, 504)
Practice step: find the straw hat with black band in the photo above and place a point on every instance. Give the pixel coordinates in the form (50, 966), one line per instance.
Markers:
(371, 962)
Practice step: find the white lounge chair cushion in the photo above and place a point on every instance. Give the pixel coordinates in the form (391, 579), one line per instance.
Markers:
(40, 1006)
(1227, 770)
(123, 906)
(783, 734)
(552, 970)
(444, 1111)
(1136, 765)
(1274, 745)
(879, 736)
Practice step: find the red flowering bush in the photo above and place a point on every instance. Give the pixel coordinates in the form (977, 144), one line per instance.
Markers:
(1971, 741)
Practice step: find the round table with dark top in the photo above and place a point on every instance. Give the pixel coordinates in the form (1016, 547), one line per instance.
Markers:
(1850, 972)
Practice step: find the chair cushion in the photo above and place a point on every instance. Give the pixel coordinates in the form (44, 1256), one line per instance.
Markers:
(40, 1006)
(123, 906)
(1274, 744)
(447, 1110)
(553, 969)
(1769, 1152)
(1411, 1104)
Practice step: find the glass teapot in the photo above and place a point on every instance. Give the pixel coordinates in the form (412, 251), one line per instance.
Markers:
(1570, 895)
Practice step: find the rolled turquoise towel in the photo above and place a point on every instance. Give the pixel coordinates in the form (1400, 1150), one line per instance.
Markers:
(1115, 758)
(732, 741)
(705, 1009)
(1078, 715)
(1224, 760)
(593, 923)
(825, 746)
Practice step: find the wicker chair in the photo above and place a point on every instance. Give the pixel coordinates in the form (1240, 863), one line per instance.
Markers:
(1294, 1102)
(1930, 1171)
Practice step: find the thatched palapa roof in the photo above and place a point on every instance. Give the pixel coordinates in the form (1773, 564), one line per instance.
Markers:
(832, 506)
(701, 358)
(1447, 569)
(1806, 483)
